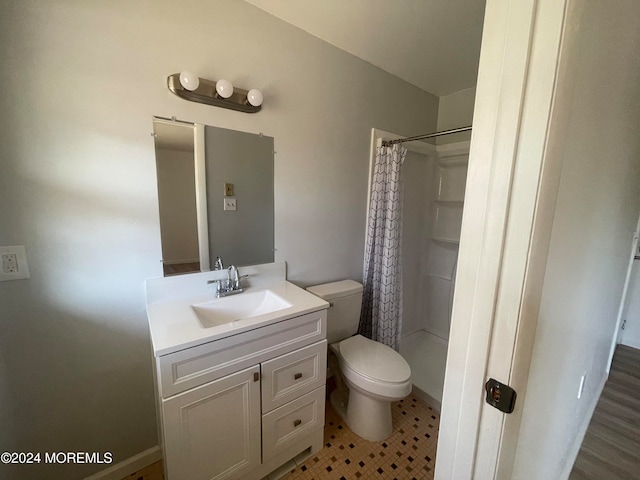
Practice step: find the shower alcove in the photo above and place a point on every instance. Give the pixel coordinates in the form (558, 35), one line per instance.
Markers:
(434, 179)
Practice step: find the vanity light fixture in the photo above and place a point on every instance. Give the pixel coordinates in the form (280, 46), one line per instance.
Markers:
(222, 93)
(224, 88)
(189, 81)
(254, 97)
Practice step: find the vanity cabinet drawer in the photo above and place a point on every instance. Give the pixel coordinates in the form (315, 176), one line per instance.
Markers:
(282, 427)
(292, 375)
(198, 365)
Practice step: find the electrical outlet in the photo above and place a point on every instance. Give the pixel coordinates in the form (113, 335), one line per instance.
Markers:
(230, 204)
(9, 263)
(13, 263)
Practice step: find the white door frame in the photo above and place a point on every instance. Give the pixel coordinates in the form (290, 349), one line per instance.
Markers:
(509, 204)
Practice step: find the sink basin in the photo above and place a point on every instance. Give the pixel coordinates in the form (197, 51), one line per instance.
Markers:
(238, 307)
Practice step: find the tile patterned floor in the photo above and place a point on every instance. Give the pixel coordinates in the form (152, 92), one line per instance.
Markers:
(410, 452)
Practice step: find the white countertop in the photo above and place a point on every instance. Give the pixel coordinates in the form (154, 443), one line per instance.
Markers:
(175, 326)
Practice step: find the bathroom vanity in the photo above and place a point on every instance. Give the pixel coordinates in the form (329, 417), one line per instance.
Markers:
(240, 379)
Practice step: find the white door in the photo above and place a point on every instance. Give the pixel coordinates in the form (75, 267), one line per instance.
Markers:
(509, 203)
(630, 333)
(213, 431)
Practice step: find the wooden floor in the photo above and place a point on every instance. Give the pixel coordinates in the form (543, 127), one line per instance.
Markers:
(611, 447)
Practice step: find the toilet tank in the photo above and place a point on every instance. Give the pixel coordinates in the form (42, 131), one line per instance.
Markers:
(345, 300)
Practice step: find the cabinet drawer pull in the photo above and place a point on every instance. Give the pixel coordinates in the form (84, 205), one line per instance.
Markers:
(297, 376)
(256, 376)
(297, 422)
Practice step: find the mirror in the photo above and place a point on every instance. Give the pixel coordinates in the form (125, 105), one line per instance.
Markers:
(203, 173)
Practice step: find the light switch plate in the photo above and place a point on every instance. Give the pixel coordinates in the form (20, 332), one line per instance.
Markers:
(13, 263)
(230, 203)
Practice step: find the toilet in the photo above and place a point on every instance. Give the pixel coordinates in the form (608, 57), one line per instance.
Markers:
(369, 375)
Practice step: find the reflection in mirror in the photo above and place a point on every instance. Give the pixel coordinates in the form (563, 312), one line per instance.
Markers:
(202, 173)
(239, 168)
(175, 166)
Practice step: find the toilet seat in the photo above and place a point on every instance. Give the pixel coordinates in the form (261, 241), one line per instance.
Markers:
(374, 360)
(373, 367)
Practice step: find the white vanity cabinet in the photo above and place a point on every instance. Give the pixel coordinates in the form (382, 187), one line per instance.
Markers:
(243, 405)
(213, 431)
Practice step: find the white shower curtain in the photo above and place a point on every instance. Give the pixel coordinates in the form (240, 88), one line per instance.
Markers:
(381, 315)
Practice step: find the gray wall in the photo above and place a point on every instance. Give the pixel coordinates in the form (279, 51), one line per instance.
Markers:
(455, 111)
(81, 82)
(244, 236)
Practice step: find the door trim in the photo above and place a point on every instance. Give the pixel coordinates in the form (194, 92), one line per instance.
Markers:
(505, 233)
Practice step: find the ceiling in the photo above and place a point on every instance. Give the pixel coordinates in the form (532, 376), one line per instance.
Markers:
(432, 44)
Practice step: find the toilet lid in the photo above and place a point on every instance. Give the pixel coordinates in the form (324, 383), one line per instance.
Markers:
(374, 360)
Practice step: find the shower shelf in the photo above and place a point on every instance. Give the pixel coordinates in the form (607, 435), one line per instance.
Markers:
(451, 203)
(446, 240)
(441, 277)
(457, 161)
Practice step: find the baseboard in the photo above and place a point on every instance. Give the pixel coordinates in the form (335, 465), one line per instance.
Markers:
(631, 342)
(575, 449)
(425, 397)
(130, 465)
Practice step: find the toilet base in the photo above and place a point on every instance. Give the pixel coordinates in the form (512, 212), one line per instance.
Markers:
(367, 417)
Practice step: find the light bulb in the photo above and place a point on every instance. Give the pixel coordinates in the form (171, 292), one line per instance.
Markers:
(224, 88)
(189, 81)
(254, 97)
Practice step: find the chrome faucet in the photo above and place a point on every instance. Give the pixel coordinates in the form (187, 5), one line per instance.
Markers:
(218, 264)
(231, 285)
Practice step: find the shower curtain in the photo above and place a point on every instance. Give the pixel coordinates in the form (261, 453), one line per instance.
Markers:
(381, 314)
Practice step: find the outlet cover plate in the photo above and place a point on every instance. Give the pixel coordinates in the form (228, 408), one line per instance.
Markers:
(230, 203)
(13, 263)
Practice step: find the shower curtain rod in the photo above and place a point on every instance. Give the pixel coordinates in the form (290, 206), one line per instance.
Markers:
(428, 135)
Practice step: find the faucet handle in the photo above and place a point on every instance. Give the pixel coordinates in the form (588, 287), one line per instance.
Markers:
(240, 277)
(217, 284)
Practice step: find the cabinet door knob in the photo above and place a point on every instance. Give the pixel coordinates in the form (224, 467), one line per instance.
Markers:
(297, 376)
(297, 422)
